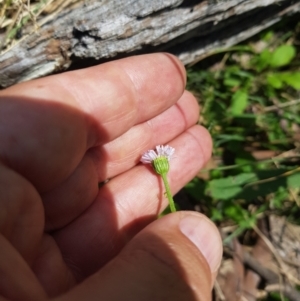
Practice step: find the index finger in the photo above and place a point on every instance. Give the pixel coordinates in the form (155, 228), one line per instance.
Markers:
(117, 94)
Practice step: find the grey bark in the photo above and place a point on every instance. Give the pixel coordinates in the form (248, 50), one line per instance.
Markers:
(109, 29)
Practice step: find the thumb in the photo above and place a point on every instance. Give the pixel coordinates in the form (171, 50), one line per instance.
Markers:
(174, 258)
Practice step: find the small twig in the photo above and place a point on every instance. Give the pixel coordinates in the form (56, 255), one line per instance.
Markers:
(31, 14)
(287, 173)
(287, 291)
(268, 275)
(219, 291)
(2, 13)
(277, 257)
(292, 263)
(271, 160)
(15, 20)
(281, 105)
(42, 8)
(295, 197)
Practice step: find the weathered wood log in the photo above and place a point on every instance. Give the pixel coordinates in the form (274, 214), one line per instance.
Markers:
(109, 29)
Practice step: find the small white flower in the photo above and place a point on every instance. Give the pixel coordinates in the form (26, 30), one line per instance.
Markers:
(160, 163)
(161, 151)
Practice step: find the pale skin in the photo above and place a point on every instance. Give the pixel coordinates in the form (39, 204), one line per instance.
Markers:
(64, 238)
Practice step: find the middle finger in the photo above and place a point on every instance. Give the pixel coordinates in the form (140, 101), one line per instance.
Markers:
(76, 194)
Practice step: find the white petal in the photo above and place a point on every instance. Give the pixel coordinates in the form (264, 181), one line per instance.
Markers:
(168, 151)
(161, 151)
(148, 157)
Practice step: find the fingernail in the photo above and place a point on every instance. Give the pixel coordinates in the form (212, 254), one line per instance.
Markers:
(203, 233)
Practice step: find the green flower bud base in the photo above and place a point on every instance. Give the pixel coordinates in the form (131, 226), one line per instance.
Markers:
(161, 166)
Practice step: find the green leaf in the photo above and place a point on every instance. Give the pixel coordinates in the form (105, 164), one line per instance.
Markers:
(216, 215)
(235, 212)
(225, 193)
(232, 82)
(293, 180)
(239, 102)
(263, 59)
(268, 36)
(228, 188)
(274, 79)
(292, 79)
(248, 223)
(282, 56)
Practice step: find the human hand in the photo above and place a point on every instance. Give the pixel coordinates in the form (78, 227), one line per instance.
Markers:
(65, 238)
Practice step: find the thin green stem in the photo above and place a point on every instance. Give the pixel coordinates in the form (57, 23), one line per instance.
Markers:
(168, 192)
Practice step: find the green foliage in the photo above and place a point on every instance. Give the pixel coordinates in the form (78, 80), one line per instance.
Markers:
(278, 79)
(277, 297)
(229, 187)
(250, 104)
(282, 56)
(239, 102)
